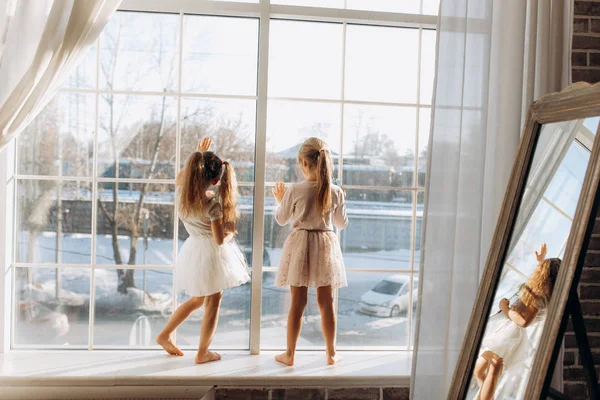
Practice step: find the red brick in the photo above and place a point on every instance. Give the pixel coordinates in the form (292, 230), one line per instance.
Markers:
(355, 393)
(576, 391)
(590, 8)
(589, 292)
(241, 394)
(579, 59)
(396, 393)
(590, 275)
(594, 243)
(594, 59)
(574, 374)
(592, 259)
(569, 357)
(581, 42)
(581, 25)
(595, 25)
(590, 308)
(586, 75)
(571, 343)
(597, 225)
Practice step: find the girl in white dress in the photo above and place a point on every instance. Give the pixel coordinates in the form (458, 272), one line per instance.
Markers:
(311, 255)
(209, 261)
(505, 345)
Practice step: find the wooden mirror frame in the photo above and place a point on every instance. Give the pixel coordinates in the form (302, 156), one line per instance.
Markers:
(575, 102)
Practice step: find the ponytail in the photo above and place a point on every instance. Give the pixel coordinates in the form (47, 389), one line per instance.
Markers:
(191, 192)
(228, 192)
(324, 174)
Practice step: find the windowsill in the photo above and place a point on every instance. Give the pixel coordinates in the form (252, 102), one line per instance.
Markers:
(154, 368)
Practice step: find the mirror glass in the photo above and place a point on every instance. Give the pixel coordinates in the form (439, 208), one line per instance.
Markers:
(539, 237)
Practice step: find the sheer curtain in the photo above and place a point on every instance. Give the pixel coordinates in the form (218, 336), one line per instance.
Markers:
(41, 41)
(493, 59)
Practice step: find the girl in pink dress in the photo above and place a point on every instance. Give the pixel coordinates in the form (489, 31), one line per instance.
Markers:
(311, 255)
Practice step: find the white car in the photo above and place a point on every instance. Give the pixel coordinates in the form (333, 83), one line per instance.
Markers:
(390, 297)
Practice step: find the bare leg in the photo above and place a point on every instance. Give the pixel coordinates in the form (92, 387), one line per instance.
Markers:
(328, 321)
(180, 315)
(299, 300)
(494, 371)
(209, 326)
(481, 370)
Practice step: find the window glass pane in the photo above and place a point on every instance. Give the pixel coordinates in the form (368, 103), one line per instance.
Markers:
(289, 124)
(220, 55)
(431, 7)
(135, 224)
(372, 311)
(404, 6)
(230, 123)
(424, 133)
(305, 59)
(275, 235)
(84, 76)
(379, 145)
(137, 135)
(131, 306)
(591, 124)
(54, 221)
(311, 3)
(233, 330)
(140, 51)
(565, 187)
(274, 313)
(386, 72)
(508, 287)
(52, 306)
(428, 47)
(546, 225)
(379, 230)
(59, 141)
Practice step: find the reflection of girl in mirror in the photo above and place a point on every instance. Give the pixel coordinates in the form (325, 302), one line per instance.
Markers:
(505, 343)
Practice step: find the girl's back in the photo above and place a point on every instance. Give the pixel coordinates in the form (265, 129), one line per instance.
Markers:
(300, 204)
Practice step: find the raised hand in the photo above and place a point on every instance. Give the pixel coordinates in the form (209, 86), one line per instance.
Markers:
(204, 144)
(279, 191)
(541, 256)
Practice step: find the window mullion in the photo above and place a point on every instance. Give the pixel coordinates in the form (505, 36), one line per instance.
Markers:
(259, 177)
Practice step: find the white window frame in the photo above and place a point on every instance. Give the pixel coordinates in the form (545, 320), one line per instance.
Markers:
(264, 11)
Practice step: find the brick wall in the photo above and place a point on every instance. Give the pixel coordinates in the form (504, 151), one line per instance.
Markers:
(372, 393)
(586, 67)
(586, 41)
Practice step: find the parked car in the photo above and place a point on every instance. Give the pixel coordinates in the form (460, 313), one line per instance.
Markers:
(390, 297)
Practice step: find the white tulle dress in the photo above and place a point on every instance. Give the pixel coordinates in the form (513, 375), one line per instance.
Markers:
(203, 267)
(311, 255)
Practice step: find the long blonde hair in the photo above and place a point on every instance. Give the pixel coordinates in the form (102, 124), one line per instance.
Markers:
(316, 154)
(199, 173)
(538, 289)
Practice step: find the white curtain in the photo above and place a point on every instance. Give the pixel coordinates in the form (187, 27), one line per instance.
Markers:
(41, 42)
(493, 59)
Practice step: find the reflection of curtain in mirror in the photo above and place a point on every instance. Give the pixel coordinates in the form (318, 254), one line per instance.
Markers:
(493, 59)
(548, 157)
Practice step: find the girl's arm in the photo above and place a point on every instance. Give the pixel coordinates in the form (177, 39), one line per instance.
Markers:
(219, 233)
(522, 318)
(285, 210)
(340, 217)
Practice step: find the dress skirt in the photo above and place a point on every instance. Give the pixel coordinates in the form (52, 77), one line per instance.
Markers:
(205, 268)
(506, 339)
(311, 259)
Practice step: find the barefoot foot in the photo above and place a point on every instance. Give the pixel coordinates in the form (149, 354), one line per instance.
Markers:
(286, 359)
(332, 360)
(166, 343)
(208, 356)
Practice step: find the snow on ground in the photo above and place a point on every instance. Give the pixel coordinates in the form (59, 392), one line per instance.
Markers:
(130, 319)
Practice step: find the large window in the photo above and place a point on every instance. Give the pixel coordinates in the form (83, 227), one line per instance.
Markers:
(97, 233)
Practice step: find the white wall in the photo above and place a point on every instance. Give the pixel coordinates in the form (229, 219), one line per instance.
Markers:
(6, 229)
